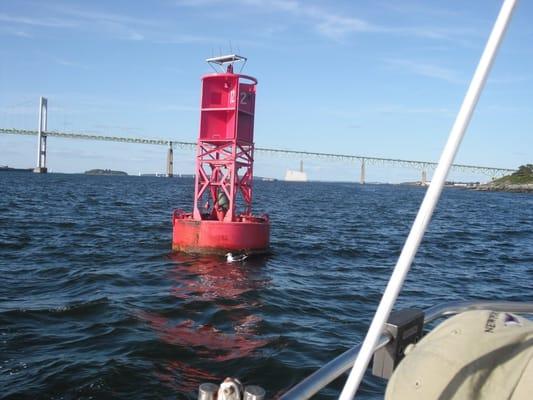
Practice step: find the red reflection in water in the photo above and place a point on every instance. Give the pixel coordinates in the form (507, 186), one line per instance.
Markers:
(211, 280)
(207, 341)
(215, 280)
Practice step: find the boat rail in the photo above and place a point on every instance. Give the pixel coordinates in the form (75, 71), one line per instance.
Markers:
(342, 363)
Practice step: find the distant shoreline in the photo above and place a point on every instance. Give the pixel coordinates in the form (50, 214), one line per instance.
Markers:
(512, 188)
(5, 168)
(520, 181)
(504, 184)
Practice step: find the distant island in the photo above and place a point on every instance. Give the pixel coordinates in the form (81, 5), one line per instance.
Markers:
(105, 172)
(519, 181)
(5, 168)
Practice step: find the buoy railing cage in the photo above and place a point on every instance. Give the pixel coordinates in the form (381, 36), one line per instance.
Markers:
(342, 363)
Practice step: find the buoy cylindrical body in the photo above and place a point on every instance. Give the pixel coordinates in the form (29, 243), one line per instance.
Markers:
(250, 235)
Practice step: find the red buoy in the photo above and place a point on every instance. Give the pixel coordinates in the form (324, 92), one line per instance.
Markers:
(222, 219)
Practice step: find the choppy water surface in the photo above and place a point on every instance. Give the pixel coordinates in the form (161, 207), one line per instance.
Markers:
(93, 304)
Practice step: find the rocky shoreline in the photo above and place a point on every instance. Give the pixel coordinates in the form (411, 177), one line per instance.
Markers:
(506, 187)
(520, 181)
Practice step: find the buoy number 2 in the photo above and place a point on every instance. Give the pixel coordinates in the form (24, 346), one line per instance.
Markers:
(244, 98)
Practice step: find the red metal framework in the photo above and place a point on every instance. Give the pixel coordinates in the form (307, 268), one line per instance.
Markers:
(224, 160)
(227, 168)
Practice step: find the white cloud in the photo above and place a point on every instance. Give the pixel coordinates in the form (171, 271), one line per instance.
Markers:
(186, 39)
(43, 22)
(327, 23)
(118, 25)
(68, 63)
(428, 10)
(331, 24)
(197, 3)
(14, 32)
(135, 36)
(425, 69)
(98, 17)
(336, 27)
(121, 26)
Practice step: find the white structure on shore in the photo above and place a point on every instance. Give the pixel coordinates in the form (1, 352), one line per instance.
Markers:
(296, 176)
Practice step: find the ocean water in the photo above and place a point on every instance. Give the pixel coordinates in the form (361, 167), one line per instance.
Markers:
(94, 305)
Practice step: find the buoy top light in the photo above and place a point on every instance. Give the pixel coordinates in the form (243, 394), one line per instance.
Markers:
(227, 60)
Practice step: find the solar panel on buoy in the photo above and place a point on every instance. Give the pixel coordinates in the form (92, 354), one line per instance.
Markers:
(222, 218)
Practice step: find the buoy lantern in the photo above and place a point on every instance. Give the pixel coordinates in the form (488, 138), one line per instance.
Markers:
(222, 219)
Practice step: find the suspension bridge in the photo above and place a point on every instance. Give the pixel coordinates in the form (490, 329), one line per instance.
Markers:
(423, 166)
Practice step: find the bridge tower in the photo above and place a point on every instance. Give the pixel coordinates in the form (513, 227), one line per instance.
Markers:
(222, 220)
(170, 161)
(41, 137)
(423, 180)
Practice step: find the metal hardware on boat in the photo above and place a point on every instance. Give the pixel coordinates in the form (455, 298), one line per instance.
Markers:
(404, 327)
(207, 391)
(342, 363)
(254, 392)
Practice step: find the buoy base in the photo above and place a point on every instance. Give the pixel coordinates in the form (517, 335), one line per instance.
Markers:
(40, 170)
(249, 234)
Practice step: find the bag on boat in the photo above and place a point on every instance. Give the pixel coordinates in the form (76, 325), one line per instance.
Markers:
(473, 355)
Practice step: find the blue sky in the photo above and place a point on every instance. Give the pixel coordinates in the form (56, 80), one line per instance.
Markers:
(378, 78)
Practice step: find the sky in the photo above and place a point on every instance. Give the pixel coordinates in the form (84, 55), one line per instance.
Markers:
(376, 78)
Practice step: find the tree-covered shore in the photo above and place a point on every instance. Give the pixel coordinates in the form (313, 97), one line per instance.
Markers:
(519, 181)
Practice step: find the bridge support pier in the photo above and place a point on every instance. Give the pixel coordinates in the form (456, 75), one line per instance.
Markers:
(362, 178)
(170, 161)
(41, 137)
(424, 180)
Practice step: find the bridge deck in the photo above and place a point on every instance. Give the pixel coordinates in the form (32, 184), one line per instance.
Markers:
(420, 165)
